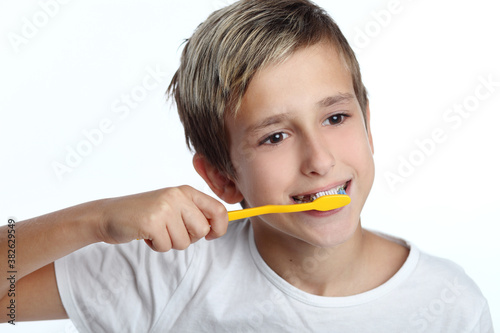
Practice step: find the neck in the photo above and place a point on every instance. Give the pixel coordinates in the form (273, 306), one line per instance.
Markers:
(334, 271)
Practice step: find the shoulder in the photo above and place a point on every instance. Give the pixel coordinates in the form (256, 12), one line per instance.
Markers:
(449, 296)
(423, 266)
(443, 295)
(432, 268)
(448, 278)
(438, 294)
(431, 272)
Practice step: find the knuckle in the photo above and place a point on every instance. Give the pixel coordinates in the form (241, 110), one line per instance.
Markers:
(206, 230)
(162, 246)
(172, 193)
(174, 196)
(185, 188)
(166, 211)
(220, 210)
(220, 221)
(182, 244)
(180, 191)
(195, 233)
(148, 224)
(201, 230)
(220, 232)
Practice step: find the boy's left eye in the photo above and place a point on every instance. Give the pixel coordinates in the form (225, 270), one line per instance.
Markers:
(335, 119)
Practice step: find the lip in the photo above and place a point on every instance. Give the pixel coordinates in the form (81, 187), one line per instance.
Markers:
(317, 213)
(322, 189)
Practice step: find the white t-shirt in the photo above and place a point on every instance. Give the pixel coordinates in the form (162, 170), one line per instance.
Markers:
(225, 286)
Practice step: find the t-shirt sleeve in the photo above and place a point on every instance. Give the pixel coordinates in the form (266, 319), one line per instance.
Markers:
(484, 324)
(452, 301)
(119, 288)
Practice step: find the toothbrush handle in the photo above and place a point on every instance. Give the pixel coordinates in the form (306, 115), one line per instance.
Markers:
(244, 213)
(249, 212)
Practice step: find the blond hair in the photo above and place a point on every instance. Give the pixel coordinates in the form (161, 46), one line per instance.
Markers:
(228, 48)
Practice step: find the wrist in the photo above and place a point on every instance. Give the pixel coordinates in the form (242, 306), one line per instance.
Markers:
(88, 221)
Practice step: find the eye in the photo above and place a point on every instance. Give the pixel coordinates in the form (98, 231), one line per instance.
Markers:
(335, 119)
(274, 138)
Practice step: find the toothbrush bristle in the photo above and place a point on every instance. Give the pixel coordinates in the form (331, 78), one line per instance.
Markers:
(312, 197)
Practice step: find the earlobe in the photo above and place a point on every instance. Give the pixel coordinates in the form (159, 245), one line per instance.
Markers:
(219, 183)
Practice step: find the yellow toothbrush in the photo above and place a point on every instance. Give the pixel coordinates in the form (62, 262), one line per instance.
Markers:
(323, 203)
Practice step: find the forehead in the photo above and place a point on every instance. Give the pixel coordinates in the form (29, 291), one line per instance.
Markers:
(305, 78)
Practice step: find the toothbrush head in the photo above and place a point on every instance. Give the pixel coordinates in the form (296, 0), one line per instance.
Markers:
(330, 202)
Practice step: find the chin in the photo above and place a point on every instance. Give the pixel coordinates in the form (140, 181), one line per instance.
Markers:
(331, 234)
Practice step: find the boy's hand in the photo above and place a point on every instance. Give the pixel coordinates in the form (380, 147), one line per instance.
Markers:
(170, 218)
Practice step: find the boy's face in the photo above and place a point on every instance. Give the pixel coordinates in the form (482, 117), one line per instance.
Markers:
(300, 131)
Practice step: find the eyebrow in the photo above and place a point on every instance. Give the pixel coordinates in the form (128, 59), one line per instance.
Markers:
(332, 100)
(276, 119)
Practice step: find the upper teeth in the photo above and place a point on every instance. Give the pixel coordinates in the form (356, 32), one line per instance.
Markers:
(311, 197)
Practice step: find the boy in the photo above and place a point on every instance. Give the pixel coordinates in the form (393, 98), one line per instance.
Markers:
(272, 101)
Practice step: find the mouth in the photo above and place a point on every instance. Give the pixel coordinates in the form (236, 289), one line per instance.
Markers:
(305, 198)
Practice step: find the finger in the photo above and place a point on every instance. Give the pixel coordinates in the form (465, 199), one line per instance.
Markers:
(178, 233)
(160, 241)
(218, 223)
(196, 223)
(215, 212)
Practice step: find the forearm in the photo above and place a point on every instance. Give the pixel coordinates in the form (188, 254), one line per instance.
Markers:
(165, 218)
(44, 239)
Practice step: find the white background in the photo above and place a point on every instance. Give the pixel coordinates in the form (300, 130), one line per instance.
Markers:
(72, 71)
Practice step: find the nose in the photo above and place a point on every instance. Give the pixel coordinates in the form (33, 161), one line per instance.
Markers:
(317, 158)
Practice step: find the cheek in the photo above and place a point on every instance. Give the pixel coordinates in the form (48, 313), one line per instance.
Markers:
(263, 178)
(357, 151)
(365, 163)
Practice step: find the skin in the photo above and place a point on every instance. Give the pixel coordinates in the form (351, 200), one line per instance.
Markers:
(311, 146)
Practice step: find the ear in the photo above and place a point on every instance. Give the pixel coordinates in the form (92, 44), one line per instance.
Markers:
(219, 183)
(368, 129)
